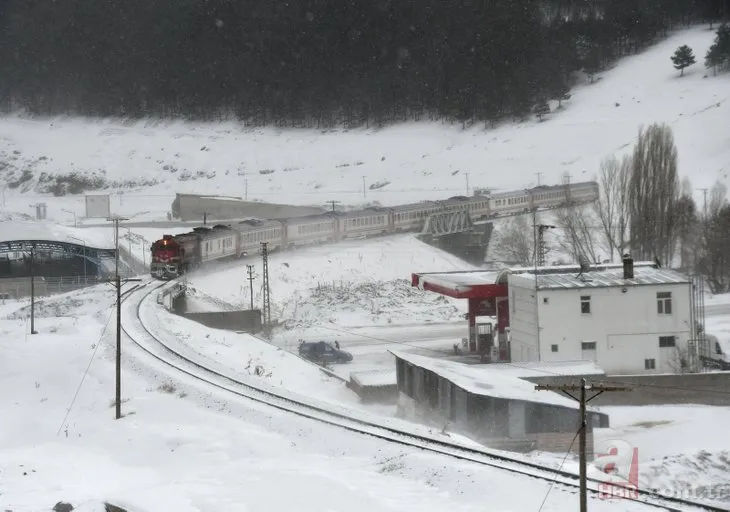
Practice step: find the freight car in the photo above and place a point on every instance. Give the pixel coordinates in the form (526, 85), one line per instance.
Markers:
(174, 255)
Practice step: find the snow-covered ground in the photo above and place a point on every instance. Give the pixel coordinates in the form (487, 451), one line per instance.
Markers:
(181, 447)
(419, 161)
(346, 285)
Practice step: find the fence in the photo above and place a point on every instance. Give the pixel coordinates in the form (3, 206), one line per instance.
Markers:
(17, 288)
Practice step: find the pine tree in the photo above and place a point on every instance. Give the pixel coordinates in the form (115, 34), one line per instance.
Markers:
(713, 58)
(683, 57)
(541, 109)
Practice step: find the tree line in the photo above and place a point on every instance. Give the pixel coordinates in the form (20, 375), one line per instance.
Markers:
(317, 62)
(643, 209)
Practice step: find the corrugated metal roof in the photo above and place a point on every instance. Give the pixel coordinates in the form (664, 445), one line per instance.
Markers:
(609, 278)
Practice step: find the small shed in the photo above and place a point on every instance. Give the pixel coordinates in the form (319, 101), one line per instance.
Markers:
(375, 385)
(497, 409)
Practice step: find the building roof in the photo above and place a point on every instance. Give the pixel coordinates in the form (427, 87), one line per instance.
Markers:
(525, 370)
(483, 380)
(469, 284)
(18, 231)
(374, 378)
(606, 278)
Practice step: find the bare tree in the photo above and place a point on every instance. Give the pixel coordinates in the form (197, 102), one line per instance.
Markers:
(718, 199)
(688, 230)
(714, 260)
(611, 208)
(515, 240)
(653, 194)
(577, 232)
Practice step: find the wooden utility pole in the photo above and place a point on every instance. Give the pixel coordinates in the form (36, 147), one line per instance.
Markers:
(538, 178)
(250, 282)
(582, 400)
(333, 203)
(117, 283)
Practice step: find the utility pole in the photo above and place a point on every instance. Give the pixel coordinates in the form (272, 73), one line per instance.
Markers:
(267, 296)
(117, 283)
(333, 203)
(537, 305)
(538, 178)
(582, 400)
(541, 243)
(249, 269)
(364, 190)
(205, 218)
(32, 290)
(466, 175)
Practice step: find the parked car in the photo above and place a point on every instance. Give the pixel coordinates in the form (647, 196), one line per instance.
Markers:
(323, 352)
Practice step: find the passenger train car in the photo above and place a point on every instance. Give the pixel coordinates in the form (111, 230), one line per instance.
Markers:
(172, 256)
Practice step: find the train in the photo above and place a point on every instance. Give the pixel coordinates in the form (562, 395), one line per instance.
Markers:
(173, 256)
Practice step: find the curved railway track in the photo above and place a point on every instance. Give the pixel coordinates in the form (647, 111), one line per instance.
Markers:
(158, 349)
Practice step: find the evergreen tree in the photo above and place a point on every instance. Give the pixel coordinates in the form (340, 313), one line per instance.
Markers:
(683, 57)
(541, 109)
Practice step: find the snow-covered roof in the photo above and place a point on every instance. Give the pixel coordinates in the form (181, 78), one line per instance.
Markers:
(547, 369)
(482, 380)
(608, 278)
(97, 238)
(460, 279)
(375, 378)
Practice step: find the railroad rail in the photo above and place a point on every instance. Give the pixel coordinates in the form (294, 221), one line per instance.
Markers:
(162, 351)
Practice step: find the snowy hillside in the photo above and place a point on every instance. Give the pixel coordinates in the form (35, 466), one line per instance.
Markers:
(349, 284)
(153, 160)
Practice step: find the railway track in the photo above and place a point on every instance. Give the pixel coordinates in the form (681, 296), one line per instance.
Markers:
(150, 343)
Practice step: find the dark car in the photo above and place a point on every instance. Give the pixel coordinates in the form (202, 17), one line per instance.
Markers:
(323, 352)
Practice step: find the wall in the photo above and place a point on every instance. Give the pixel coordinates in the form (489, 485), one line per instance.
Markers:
(523, 327)
(625, 326)
(247, 321)
(695, 388)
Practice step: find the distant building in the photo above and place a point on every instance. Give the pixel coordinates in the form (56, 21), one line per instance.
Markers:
(490, 406)
(629, 319)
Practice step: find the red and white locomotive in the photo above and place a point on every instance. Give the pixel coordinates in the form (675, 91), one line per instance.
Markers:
(173, 256)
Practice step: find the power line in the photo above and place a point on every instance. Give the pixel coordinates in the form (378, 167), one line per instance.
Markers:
(83, 377)
(557, 473)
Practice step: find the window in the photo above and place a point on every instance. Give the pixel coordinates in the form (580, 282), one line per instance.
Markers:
(666, 341)
(544, 300)
(554, 348)
(664, 303)
(588, 345)
(649, 364)
(585, 304)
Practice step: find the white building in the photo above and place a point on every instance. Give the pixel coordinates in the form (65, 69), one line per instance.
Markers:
(628, 318)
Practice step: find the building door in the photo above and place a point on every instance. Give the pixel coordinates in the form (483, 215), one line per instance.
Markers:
(588, 351)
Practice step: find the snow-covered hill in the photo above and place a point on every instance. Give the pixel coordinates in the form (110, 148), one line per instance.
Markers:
(150, 161)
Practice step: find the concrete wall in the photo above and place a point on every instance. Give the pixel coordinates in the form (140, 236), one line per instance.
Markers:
(191, 207)
(247, 321)
(712, 388)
